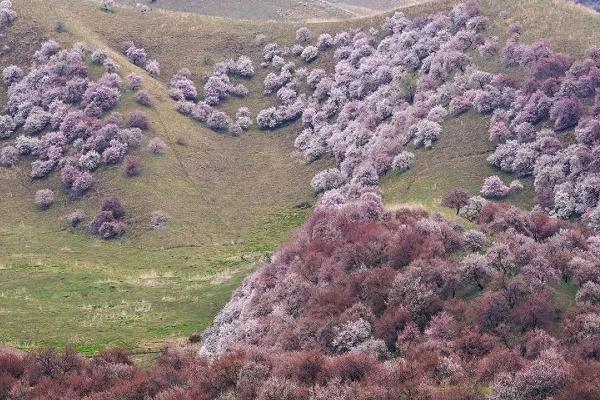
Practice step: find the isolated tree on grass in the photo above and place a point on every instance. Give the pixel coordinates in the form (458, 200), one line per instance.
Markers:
(44, 198)
(132, 165)
(403, 161)
(456, 198)
(494, 188)
(153, 68)
(157, 146)
(303, 35)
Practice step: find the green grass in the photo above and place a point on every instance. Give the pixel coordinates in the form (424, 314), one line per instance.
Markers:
(54, 293)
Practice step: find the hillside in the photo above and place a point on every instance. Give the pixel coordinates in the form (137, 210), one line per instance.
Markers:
(282, 10)
(232, 200)
(255, 204)
(279, 10)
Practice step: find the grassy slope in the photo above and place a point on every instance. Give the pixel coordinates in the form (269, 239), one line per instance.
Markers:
(459, 159)
(231, 200)
(280, 10)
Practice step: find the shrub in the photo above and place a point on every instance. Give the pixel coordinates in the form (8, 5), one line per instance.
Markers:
(235, 130)
(75, 218)
(244, 67)
(44, 198)
(11, 75)
(37, 120)
(593, 219)
(218, 120)
(303, 35)
(309, 54)
(98, 57)
(325, 41)
(403, 161)
(90, 160)
(7, 14)
(82, 183)
(472, 210)
(9, 156)
(111, 229)
(114, 206)
(136, 55)
(41, 168)
(244, 123)
(425, 132)
(135, 81)
(132, 165)
(138, 119)
(142, 97)
(159, 219)
(475, 240)
(27, 145)
(589, 293)
(58, 26)
(107, 5)
(494, 188)
(565, 113)
(111, 65)
(296, 50)
(326, 180)
(114, 153)
(7, 126)
(101, 96)
(515, 186)
(182, 87)
(157, 146)
(153, 68)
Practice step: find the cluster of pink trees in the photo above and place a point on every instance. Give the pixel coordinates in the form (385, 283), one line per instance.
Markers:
(108, 222)
(218, 87)
(60, 120)
(366, 303)
(139, 57)
(390, 87)
(564, 94)
(415, 290)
